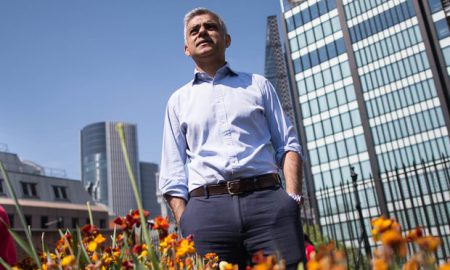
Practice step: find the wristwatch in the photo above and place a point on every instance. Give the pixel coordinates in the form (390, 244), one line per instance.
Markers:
(298, 198)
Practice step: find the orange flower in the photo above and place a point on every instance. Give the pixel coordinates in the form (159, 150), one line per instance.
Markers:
(381, 225)
(211, 256)
(313, 265)
(379, 264)
(413, 235)
(444, 267)
(134, 218)
(394, 239)
(162, 226)
(429, 243)
(391, 238)
(411, 265)
(161, 223)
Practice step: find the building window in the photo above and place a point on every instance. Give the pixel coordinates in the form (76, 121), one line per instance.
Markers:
(44, 222)
(102, 223)
(60, 223)
(60, 193)
(75, 222)
(29, 189)
(442, 28)
(28, 220)
(11, 220)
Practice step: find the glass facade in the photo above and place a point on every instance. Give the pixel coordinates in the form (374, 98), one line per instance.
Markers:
(93, 160)
(365, 85)
(441, 23)
(104, 173)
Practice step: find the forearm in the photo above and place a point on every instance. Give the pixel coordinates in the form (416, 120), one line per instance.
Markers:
(293, 172)
(177, 205)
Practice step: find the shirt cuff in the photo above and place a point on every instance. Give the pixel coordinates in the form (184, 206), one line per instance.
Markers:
(176, 190)
(294, 148)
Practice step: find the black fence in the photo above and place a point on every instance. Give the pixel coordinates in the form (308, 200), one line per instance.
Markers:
(416, 196)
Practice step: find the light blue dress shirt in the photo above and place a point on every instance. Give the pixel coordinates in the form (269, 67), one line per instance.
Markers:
(223, 128)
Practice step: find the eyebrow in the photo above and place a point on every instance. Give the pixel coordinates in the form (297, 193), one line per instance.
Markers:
(204, 23)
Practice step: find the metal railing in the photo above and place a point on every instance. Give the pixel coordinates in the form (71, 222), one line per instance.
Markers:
(417, 195)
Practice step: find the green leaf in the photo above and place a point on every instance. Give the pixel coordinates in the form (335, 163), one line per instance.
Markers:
(113, 237)
(84, 252)
(22, 243)
(42, 242)
(5, 264)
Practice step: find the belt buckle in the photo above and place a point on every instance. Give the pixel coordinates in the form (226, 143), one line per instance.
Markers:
(230, 186)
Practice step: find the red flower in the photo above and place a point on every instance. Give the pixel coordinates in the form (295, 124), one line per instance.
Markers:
(89, 230)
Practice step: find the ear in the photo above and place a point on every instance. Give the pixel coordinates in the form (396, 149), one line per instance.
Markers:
(227, 40)
(186, 50)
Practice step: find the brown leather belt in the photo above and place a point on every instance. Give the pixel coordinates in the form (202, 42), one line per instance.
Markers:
(238, 186)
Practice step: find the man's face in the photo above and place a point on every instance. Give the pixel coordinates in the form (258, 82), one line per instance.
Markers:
(205, 38)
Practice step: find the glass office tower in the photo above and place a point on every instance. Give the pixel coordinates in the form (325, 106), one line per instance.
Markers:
(372, 82)
(103, 170)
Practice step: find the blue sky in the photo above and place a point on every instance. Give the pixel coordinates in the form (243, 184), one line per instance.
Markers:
(67, 63)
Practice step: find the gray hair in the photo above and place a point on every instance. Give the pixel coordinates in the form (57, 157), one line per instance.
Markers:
(200, 11)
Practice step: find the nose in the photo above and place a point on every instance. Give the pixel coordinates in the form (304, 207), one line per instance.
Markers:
(202, 30)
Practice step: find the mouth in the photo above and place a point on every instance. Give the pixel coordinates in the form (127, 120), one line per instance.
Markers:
(203, 42)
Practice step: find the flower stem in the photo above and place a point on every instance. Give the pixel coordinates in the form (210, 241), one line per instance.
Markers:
(119, 129)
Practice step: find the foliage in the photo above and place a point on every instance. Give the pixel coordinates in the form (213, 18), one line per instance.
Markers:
(392, 254)
(132, 247)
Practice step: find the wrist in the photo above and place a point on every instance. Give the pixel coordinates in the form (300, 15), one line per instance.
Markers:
(297, 197)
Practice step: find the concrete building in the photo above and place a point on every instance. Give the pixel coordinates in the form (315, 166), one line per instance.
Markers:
(371, 78)
(103, 170)
(47, 202)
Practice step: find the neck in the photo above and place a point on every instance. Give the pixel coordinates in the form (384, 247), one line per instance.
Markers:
(209, 67)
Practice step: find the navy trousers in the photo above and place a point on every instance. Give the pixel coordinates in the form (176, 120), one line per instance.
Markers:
(236, 227)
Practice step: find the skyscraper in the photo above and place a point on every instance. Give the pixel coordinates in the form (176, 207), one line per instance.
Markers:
(371, 78)
(149, 187)
(104, 173)
(275, 70)
(275, 67)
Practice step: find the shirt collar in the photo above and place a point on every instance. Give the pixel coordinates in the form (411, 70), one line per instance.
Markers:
(221, 72)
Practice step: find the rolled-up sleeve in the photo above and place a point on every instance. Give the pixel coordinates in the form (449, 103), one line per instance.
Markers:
(283, 135)
(172, 177)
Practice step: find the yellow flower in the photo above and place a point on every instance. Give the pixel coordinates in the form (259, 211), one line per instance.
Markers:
(223, 265)
(68, 260)
(92, 246)
(184, 248)
(99, 239)
(379, 264)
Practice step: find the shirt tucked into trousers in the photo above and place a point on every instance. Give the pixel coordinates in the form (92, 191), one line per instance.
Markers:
(229, 127)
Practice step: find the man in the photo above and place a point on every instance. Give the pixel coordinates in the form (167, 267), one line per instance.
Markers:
(225, 137)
